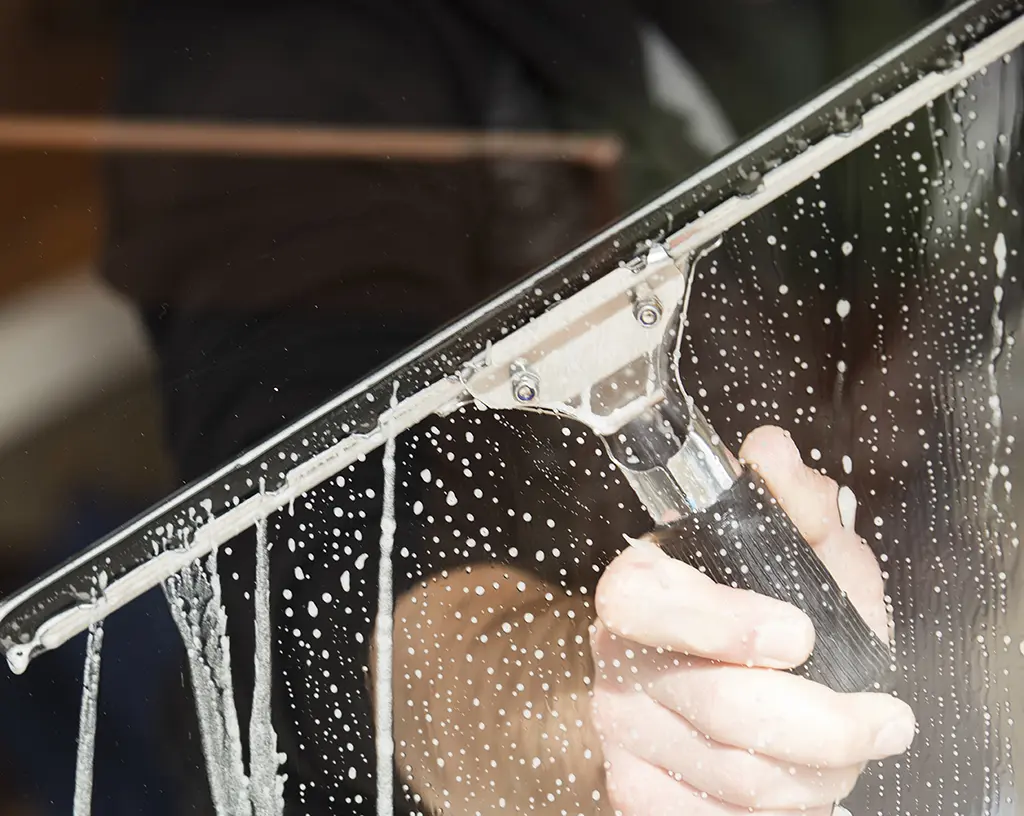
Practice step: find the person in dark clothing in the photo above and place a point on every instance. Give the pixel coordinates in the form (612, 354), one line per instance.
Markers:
(268, 285)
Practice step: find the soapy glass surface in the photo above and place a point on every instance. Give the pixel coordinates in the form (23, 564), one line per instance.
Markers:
(881, 334)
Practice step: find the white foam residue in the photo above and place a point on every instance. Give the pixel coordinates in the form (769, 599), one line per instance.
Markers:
(266, 785)
(194, 596)
(196, 604)
(87, 722)
(383, 695)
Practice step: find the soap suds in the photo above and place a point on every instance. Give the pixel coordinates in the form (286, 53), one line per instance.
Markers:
(196, 604)
(384, 709)
(266, 785)
(194, 597)
(87, 722)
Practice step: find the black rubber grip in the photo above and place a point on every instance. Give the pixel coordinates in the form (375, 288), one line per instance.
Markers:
(746, 540)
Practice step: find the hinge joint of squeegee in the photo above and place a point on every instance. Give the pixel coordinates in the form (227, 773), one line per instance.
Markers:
(647, 253)
(636, 265)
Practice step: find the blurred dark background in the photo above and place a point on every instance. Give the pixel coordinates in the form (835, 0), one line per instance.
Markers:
(80, 439)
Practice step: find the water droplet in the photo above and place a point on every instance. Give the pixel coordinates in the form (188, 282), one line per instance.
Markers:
(847, 507)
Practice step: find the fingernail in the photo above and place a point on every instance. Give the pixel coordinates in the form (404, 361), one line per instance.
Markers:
(896, 735)
(782, 643)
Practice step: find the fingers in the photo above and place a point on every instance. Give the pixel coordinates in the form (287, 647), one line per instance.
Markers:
(638, 788)
(777, 714)
(662, 738)
(809, 498)
(658, 601)
(693, 720)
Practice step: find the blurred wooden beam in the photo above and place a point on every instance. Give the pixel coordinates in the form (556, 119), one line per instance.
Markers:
(105, 135)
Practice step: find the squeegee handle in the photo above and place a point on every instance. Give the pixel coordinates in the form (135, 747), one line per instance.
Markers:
(746, 540)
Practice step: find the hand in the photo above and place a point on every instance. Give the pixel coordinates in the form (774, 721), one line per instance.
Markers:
(693, 716)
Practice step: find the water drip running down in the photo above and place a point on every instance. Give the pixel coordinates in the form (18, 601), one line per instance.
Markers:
(194, 597)
(87, 722)
(847, 508)
(383, 692)
(266, 785)
(197, 608)
(998, 342)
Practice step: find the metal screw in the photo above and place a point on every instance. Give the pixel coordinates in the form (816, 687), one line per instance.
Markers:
(525, 390)
(647, 312)
(525, 384)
